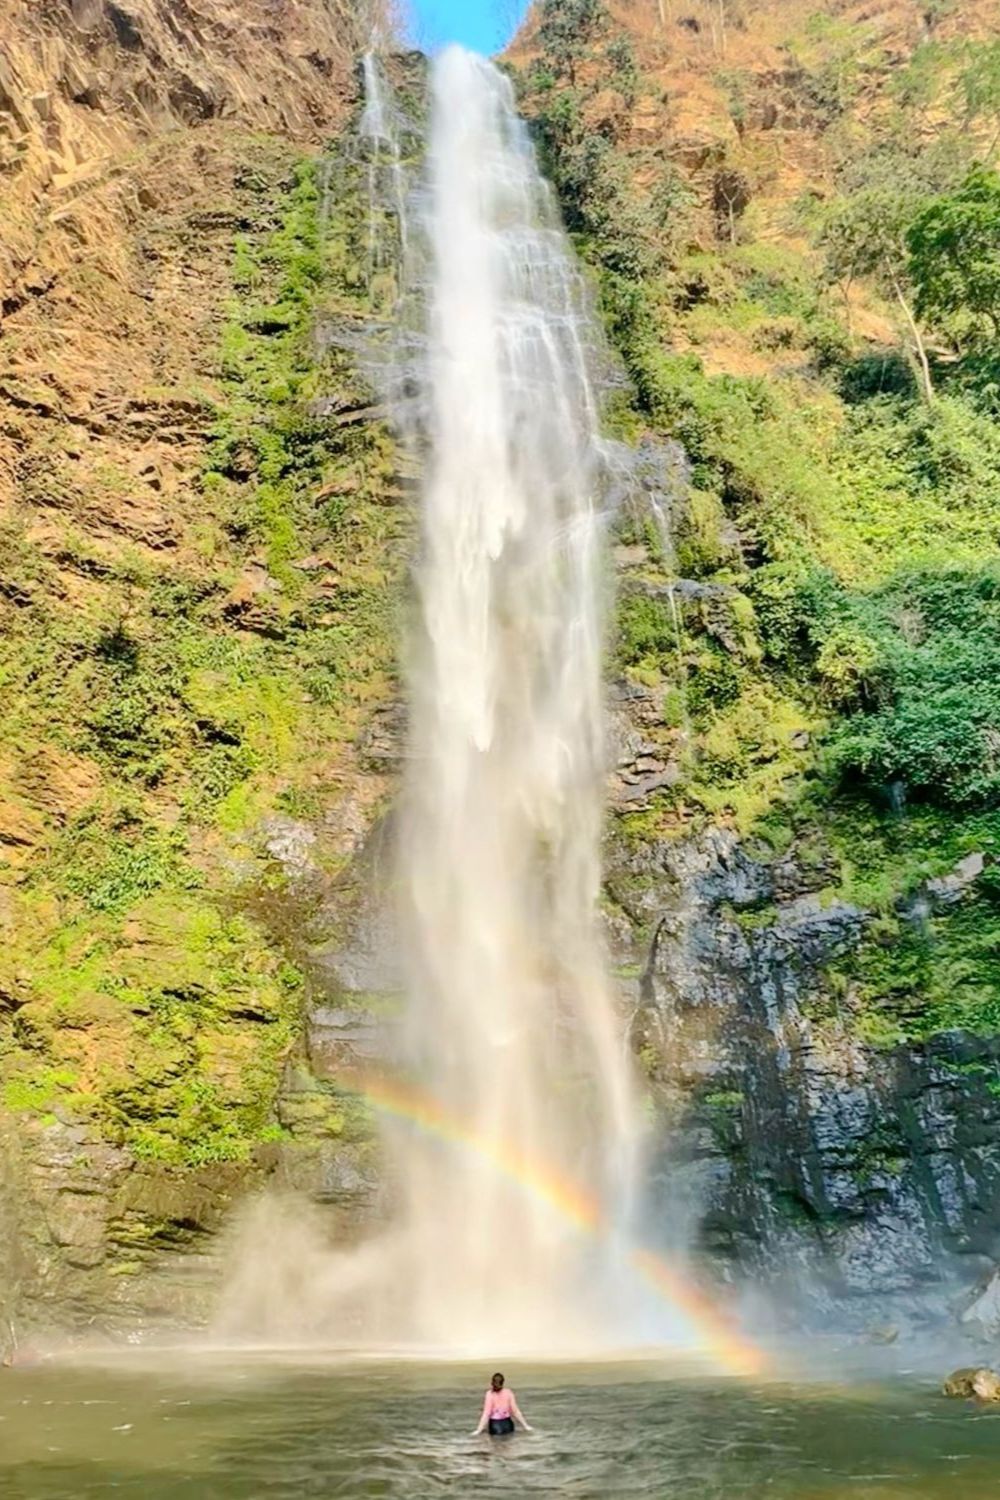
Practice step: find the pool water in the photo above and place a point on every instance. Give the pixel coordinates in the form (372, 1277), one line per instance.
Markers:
(258, 1428)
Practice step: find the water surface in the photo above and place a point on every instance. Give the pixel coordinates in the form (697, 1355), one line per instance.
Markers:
(263, 1428)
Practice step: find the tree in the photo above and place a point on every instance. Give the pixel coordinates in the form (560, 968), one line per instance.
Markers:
(954, 254)
(624, 69)
(865, 235)
(567, 30)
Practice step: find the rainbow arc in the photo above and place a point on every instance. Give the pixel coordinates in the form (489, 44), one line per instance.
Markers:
(716, 1332)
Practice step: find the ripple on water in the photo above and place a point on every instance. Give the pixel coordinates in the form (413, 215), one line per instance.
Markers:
(211, 1433)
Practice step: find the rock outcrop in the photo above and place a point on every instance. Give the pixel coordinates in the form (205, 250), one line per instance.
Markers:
(983, 1384)
(117, 122)
(150, 151)
(842, 1173)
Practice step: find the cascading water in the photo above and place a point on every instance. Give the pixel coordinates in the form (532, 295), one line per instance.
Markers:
(380, 129)
(515, 1231)
(512, 1027)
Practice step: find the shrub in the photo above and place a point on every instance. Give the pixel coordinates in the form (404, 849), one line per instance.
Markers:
(917, 663)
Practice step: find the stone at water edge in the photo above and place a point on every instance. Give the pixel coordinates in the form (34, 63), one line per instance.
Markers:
(969, 1381)
(986, 1385)
(959, 1383)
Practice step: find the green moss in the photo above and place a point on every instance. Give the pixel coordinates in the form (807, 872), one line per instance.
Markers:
(725, 1099)
(32, 1092)
(147, 733)
(754, 749)
(854, 671)
(646, 635)
(929, 973)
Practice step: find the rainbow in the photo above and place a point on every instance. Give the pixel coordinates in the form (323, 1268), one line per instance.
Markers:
(716, 1333)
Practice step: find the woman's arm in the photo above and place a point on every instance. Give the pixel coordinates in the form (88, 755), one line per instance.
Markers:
(484, 1419)
(517, 1413)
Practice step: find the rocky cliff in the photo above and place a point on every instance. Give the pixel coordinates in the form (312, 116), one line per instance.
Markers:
(191, 648)
(801, 886)
(112, 119)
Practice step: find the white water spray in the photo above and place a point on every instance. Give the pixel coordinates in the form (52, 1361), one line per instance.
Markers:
(513, 1029)
(380, 128)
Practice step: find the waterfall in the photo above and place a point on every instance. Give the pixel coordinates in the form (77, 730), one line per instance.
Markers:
(512, 1029)
(511, 1123)
(380, 129)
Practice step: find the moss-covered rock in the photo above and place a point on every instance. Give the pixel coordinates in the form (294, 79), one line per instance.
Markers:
(166, 712)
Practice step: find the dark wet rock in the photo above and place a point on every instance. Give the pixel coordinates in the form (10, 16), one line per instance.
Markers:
(343, 1040)
(837, 1173)
(634, 790)
(384, 741)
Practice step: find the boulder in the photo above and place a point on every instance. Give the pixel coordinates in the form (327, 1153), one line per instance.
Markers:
(986, 1385)
(982, 1383)
(959, 1382)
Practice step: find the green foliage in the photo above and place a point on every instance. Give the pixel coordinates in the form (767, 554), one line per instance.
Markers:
(954, 255)
(670, 202)
(733, 86)
(831, 53)
(853, 673)
(980, 85)
(865, 231)
(149, 729)
(916, 663)
(268, 366)
(918, 85)
(616, 224)
(112, 870)
(645, 631)
(624, 69)
(567, 30)
(919, 973)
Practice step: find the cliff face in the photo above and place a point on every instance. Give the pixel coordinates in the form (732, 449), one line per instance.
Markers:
(189, 653)
(838, 1177)
(102, 109)
(805, 914)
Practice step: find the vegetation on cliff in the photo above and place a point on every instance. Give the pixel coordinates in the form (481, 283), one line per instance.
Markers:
(201, 566)
(826, 358)
(188, 694)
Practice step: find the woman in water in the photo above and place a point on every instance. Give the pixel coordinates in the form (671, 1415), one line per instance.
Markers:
(500, 1410)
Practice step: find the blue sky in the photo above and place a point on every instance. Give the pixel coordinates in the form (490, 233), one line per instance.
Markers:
(485, 25)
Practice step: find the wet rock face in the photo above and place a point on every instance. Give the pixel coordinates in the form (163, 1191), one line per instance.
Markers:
(806, 1157)
(89, 1241)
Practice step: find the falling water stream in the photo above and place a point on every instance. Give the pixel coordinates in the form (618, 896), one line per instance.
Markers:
(512, 1125)
(512, 1029)
(511, 1122)
(380, 129)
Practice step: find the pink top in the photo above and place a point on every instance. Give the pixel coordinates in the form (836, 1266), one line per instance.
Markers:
(498, 1404)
